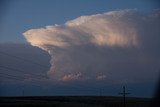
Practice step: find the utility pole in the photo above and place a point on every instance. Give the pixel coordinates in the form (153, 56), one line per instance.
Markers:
(124, 93)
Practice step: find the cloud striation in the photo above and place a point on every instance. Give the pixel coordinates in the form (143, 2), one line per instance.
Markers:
(118, 46)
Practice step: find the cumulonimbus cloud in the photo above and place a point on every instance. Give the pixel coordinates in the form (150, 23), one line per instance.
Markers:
(112, 44)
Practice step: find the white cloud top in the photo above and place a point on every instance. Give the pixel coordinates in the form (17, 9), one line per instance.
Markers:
(91, 45)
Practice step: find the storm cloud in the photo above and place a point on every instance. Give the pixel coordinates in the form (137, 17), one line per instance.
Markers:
(117, 46)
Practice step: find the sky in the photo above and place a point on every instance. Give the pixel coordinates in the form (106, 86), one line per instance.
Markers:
(20, 15)
(110, 45)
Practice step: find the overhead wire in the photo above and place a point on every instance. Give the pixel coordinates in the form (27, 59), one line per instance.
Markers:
(71, 86)
(23, 59)
(12, 75)
(17, 70)
(20, 78)
(32, 74)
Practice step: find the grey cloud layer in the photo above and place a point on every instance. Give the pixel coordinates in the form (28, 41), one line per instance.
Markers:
(117, 45)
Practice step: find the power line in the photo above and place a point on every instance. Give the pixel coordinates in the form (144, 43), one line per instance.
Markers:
(41, 76)
(3, 75)
(35, 84)
(11, 75)
(23, 59)
(80, 87)
(13, 69)
(18, 79)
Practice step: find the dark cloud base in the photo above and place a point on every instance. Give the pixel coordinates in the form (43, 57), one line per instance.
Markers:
(13, 87)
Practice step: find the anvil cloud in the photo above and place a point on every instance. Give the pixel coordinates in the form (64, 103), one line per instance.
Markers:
(116, 46)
